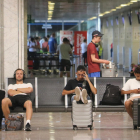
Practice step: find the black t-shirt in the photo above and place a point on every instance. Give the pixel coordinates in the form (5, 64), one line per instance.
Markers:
(73, 83)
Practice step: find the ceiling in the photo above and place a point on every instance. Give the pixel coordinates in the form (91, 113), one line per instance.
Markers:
(73, 9)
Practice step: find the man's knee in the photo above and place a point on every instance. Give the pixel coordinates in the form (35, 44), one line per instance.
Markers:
(6, 101)
(128, 104)
(28, 104)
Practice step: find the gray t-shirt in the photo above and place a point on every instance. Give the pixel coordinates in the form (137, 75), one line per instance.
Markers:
(64, 51)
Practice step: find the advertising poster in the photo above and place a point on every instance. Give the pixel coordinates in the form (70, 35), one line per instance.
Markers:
(79, 36)
(67, 34)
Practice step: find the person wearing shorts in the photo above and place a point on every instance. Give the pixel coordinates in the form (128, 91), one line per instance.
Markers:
(64, 54)
(132, 87)
(19, 95)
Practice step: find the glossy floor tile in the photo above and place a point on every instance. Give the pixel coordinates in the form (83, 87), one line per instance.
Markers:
(58, 126)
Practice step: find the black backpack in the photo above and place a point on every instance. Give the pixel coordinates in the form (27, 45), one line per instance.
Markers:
(112, 95)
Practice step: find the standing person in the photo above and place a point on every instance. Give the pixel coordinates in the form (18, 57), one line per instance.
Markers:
(52, 44)
(41, 42)
(111, 50)
(65, 51)
(100, 50)
(37, 44)
(19, 95)
(92, 56)
(32, 48)
(84, 50)
(45, 46)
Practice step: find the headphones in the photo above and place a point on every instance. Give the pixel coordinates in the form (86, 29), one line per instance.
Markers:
(96, 45)
(16, 71)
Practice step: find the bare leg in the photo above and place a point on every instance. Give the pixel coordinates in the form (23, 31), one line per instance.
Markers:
(6, 103)
(128, 106)
(29, 110)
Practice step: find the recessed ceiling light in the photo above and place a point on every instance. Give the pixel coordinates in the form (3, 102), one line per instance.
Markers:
(113, 9)
(134, 1)
(123, 5)
(101, 15)
(107, 12)
(92, 18)
(119, 7)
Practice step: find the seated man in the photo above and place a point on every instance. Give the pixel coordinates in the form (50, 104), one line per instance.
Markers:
(76, 86)
(19, 95)
(132, 87)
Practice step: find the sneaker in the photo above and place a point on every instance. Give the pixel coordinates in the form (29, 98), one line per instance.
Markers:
(77, 92)
(84, 96)
(28, 127)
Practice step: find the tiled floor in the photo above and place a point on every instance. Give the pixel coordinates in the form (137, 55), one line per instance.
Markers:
(58, 126)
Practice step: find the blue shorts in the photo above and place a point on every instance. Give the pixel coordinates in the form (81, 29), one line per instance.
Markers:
(94, 74)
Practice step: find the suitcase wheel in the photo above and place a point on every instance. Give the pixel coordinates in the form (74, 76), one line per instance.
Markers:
(135, 127)
(75, 127)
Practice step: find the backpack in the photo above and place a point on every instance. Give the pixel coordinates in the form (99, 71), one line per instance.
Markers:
(14, 122)
(112, 95)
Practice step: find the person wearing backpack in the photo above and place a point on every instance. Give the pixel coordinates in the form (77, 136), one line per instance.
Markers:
(132, 87)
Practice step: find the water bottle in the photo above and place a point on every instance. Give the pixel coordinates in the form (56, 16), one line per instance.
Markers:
(3, 124)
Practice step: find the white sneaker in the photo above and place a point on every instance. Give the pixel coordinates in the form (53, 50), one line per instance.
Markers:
(77, 92)
(84, 96)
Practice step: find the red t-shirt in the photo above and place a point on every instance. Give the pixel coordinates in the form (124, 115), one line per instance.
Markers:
(92, 66)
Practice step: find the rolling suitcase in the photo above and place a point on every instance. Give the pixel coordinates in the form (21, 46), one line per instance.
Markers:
(82, 115)
(136, 113)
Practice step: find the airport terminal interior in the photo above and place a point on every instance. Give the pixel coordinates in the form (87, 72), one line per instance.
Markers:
(26, 29)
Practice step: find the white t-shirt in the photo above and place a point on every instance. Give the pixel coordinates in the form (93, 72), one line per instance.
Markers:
(15, 86)
(132, 84)
(30, 44)
(41, 42)
(83, 47)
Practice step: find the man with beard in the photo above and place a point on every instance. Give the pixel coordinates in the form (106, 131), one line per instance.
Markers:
(75, 86)
(19, 95)
(132, 87)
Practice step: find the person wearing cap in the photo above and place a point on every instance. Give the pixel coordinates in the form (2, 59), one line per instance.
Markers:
(64, 51)
(92, 56)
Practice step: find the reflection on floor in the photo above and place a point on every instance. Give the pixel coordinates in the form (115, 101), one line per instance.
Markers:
(58, 126)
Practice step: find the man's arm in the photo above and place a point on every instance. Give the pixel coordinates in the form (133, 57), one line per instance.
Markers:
(64, 92)
(93, 89)
(25, 90)
(12, 92)
(130, 91)
(98, 60)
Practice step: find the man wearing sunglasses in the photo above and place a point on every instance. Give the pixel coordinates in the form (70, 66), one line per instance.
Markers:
(80, 87)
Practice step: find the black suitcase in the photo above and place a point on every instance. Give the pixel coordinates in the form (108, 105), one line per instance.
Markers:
(2, 95)
(136, 113)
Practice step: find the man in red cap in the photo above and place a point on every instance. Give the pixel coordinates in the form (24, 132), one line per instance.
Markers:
(92, 56)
